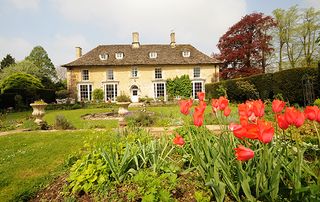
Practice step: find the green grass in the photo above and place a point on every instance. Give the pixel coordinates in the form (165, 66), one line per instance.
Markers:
(74, 117)
(30, 160)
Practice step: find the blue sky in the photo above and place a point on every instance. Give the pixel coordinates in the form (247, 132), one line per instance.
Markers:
(61, 25)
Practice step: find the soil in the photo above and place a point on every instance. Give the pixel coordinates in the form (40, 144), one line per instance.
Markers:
(185, 190)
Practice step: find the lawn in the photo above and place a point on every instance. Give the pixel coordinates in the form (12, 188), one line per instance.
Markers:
(30, 160)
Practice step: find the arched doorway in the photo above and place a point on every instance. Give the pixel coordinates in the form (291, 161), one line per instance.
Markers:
(134, 93)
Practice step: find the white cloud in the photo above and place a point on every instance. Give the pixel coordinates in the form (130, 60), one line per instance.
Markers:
(200, 22)
(61, 49)
(25, 4)
(17, 47)
(313, 3)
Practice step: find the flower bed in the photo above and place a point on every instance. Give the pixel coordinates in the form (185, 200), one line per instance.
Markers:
(252, 159)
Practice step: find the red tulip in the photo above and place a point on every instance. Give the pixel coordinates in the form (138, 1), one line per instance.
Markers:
(185, 106)
(227, 111)
(201, 95)
(215, 105)
(252, 131)
(243, 153)
(294, 116)
(223, 103)
(197, 118)
(311, 112)
(178, 140)
(282, 122)
(238, 130)
(266, 131)
(277, 105)
(258, 108)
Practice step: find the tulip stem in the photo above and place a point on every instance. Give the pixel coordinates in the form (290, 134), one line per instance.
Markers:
(315, 127)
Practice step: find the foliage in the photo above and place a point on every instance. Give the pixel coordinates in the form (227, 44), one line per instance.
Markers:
(317, 102)
(245, 46)
(152, 186)
(39, 57)
(123, 98)
(7, 61)
(179, 86)
(62, 94)
(62, 123)
(97, 94)
(140, 119)
(20, 81)
(288, 83)
(247, 90)
(24, 66)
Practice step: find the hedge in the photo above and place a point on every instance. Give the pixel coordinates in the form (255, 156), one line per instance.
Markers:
(287, 83)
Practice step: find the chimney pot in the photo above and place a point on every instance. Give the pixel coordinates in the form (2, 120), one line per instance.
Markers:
(78, 52)
(135, 40)
(173, 40)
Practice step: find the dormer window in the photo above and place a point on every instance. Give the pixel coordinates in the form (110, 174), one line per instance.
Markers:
(103, 56)
(153, 55)
(185, 54)
(119, 56)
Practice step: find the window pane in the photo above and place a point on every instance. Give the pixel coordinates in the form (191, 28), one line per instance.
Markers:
(196, 72)
(85, 75)
(85, 92)
(134, 72)
(197, 87)
(160, 90)
(110, 74)
(158, 73)
(111, 92)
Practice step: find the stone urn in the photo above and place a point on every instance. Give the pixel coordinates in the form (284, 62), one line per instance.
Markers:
(38, 111)
(123, 110)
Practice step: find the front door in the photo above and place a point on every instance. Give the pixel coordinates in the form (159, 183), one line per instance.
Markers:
(134, 94)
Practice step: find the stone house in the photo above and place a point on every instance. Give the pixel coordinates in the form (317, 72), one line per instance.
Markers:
(138, 70)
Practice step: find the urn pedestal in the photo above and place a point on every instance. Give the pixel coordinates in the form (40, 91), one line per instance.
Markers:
(38, 112)
(123, 110)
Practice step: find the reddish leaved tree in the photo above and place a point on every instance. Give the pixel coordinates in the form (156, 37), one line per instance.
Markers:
(246, 45)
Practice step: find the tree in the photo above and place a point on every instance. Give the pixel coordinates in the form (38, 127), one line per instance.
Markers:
(279, 15)
(246, 45)
(308, 31)
(24, 66)
(40, 58)
(20, 81)
(7, 61)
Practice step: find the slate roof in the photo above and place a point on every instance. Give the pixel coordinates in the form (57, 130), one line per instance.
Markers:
(166, 55)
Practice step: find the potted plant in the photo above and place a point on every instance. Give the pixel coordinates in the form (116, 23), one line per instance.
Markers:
(123, 101)
(38, 110)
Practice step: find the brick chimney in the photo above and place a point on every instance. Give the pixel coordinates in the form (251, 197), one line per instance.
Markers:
(78, 52)
(135, 40)
(173, 40)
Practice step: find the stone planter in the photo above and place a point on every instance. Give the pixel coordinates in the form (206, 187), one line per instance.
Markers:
(123, 110)
(38, 111)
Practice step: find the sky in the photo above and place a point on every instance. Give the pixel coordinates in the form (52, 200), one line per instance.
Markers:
(61, 25)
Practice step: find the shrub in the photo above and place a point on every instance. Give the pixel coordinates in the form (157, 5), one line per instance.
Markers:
(123, 98)
(288, 83)
(98, 95)
(140, 119)
(62, 94)
(246, 90)
(179, 86)
(62, 123)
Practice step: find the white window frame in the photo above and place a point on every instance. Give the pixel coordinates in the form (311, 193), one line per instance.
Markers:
(119, 56)
(114, 94)
(195, 73)
(155, 90)
(110, 75)
(185, 54)
(134, 72)
(103, 56)
(153, 55)
(157, 73)
(85, 76)
(194, 93)
(89, 93)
